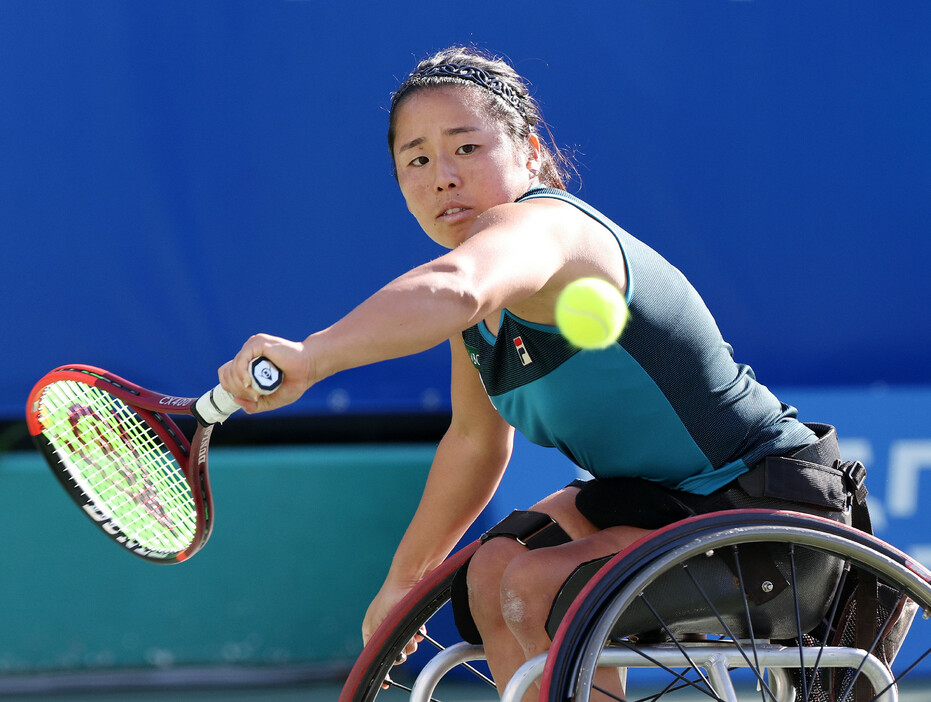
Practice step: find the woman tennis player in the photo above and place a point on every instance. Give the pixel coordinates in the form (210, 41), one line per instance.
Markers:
(665, 420)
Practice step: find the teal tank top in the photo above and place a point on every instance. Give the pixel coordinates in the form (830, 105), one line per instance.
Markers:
(667, 402)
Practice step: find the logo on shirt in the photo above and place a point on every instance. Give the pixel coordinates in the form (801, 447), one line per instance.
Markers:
(473, 356)
(522, 351)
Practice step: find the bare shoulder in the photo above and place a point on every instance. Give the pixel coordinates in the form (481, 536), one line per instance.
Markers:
(547, 223)
(520, 256)
(548, 212)
(590, 248)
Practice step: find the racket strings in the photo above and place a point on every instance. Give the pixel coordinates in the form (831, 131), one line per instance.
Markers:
(120, 464)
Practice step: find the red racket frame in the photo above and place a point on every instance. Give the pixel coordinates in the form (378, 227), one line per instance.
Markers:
(154, 408)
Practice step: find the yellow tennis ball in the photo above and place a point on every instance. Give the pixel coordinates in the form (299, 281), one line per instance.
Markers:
(591, 313)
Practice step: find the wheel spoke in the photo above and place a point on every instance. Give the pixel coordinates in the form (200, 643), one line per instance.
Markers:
(468, 666)
(740, 649)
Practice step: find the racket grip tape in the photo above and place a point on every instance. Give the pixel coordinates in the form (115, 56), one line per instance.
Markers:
(217, 405)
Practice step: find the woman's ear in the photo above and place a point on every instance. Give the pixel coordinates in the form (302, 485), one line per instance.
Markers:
(534, 155)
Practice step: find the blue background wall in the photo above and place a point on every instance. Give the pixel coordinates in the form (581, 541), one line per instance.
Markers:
(176, 176)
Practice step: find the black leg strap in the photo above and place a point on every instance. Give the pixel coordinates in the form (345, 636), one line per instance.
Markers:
(531, 529)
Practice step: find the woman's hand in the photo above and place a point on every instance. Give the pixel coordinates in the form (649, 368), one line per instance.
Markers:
(292, 358)
(381, 606)
(386, 599)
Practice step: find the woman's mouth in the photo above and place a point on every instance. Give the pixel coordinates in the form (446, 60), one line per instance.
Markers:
(452, 212)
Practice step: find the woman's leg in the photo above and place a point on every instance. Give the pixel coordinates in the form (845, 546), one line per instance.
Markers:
(486, 569)
(511, 589)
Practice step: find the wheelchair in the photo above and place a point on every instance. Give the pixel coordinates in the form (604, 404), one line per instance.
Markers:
(737, 605)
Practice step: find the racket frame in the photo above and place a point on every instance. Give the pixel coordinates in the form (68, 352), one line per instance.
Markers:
(154, 408)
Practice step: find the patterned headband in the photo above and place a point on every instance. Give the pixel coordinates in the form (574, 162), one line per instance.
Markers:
(472, 74)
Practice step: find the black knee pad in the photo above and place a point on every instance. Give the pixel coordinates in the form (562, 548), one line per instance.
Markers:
(531, 529)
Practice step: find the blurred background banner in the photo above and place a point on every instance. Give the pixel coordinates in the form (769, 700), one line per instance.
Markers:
(175, 177)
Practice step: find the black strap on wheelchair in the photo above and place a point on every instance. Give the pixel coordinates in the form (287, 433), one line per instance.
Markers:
(530, 529)
(813, 476)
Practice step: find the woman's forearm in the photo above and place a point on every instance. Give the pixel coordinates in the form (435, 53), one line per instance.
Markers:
(413, 313)
(462, 481)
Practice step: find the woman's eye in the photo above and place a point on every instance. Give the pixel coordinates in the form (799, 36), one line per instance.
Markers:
(466, 149)
(420, 161)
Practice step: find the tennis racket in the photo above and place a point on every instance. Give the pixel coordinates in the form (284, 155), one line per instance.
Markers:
(126, 464)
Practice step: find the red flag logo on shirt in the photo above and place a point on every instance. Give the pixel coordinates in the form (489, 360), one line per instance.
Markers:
(522, 351)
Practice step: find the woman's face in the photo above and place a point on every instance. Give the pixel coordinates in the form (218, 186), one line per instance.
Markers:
(454, 162)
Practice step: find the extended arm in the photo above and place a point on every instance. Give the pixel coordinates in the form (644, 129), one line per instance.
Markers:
(519, 251)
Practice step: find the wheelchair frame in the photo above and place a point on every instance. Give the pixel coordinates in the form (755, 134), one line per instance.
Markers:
(585, 637)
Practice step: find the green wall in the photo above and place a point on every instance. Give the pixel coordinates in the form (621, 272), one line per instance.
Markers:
(302, 540)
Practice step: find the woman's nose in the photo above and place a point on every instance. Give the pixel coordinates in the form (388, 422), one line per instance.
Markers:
(447, 176)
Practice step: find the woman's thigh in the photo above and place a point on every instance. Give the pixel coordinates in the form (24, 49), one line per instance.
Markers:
(544, 570)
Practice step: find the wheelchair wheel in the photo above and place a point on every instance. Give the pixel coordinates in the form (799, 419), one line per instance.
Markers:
(376, 664)
(653, 606)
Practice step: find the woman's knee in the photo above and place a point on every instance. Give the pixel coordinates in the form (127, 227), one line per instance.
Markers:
(525, 594)
(484, 575)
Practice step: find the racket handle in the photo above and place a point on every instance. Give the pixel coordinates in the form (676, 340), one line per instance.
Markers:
(217, 405)
(266, 376)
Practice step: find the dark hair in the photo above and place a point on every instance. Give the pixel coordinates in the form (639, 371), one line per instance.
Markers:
(507, 101)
